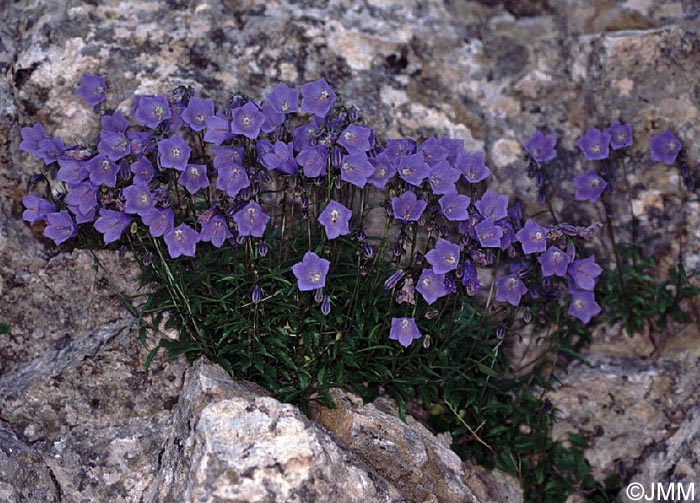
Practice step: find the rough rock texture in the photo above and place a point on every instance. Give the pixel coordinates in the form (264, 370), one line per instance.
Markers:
(231, 443)
(85, 418)
(639, 416)
(420, 464)
(91, 413)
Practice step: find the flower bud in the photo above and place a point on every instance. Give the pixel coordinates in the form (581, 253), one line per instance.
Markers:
(256, 296)
(500, 333)
(326, 305)
(394, 279)
(263, 249)
(527, 315)
(367, 250)
(318, 295)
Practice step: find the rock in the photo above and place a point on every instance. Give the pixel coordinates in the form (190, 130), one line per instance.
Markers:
(232, 443)
(419, 463)
(629, 409)
(23, 475)
(93, 415)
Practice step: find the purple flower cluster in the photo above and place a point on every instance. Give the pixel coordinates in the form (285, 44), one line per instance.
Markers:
(189, 172)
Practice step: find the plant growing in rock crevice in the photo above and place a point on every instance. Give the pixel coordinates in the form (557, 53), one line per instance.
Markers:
(285, 241)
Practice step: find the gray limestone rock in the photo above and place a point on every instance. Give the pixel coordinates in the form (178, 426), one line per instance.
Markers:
(232, 443)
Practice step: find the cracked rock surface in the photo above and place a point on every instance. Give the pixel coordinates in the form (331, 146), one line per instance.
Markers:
(80, 420)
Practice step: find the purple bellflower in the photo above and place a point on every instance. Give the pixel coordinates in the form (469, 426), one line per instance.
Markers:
(139, 199)
(335, 218)
(215, 230)
(554, 261)
(589, 186)
(251, 220)
(232, 179)
(383, 170)
(431, 285)
(356, 138)
(218, 129)
(114, 145)
(143, 170)
(182, 240)
(491, 205)
(541, 147)
(313, 159)
(433, 152)
(112, 224)
(404, 330)
(116, 122)
(583, 305)
(488, 233)
(472, 166)
(620, 135)
(194, 177)
(443, 178)
(444, 257)
(282, 158)
(174, 152)
(533, 237)
(283, 99)
(247, 120)
(665, 147)
(151, 110)
(60, 227)
(159, 221)
(31, 137)
(36, 208)
(413, 169)
(196, 113)
(317, 98)
(407, 207)
(584, 272)
(454, 206)
(311, 272)
(102, 171)
(355, 169)
(92, 90)
(594, 144)
(510, 289)
(82, 198)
